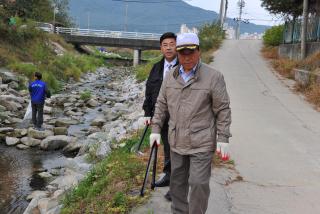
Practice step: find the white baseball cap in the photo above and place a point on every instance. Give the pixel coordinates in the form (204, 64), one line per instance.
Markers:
(187, 41)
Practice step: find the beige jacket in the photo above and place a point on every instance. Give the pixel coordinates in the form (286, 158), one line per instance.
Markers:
(199, 110)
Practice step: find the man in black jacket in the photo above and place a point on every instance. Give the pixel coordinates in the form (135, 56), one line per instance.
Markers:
(153, 85)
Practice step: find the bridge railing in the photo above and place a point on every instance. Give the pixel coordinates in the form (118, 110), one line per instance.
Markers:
(107, 33)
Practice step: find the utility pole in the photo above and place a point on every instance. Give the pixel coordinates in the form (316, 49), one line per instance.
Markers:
(241, 5)
(221, 13)
(225, 11)
(54, 14)
(126, 19)
(88, 19)
(55, 11)
(304, 29)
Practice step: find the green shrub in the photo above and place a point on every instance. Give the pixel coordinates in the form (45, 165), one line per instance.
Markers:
(26, 69)
(210, 36)
(52, 82)
(142, 71)
(273, 36)
(85, 95)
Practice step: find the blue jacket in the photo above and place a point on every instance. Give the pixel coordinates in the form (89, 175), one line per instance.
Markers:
(38, 91)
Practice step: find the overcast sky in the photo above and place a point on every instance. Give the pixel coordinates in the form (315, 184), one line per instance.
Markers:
(252, 10)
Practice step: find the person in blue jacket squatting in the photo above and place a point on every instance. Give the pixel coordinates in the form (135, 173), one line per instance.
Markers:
(38, 92)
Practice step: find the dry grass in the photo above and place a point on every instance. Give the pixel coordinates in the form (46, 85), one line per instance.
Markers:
(313, 95)
(270, 52)
(311, 63)
(285, 66)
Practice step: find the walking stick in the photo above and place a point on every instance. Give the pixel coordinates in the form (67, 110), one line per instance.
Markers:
(137, 148)
(154, 150)
(153, 181)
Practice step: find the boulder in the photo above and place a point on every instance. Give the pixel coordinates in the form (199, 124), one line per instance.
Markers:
(70, 179)
(72, 149)
(12, 98)
(45, 204)
(13, 106)
(47, 110)
(37, 193)
(22, 146)
(11, 141)
(16, 93)
(65, 122)
(2, 108)
(56, 142)
(98, 122)
(7, 76)
(60, 130)
(29, 141)
(103, 150)
(92, 103)
(33, 133)
(13, 85)
(5, 130)
(19, 133)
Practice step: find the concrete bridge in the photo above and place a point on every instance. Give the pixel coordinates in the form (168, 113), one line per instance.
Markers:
(134, 40)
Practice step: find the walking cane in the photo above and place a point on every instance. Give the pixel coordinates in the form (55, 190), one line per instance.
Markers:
(153, 181)
(154, 150)
(137, 148)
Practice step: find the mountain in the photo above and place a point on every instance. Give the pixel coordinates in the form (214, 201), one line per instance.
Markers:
(154, 16)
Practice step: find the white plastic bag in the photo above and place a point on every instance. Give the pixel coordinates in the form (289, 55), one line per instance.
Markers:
(28, 114)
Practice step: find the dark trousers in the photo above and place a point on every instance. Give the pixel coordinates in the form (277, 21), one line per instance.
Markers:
(37, 114)
(192, 171)
(166, 148)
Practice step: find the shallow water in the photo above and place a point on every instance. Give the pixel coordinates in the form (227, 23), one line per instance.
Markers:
(18, 170)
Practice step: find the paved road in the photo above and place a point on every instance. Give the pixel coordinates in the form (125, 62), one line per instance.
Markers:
(276, 137)
(275, 143)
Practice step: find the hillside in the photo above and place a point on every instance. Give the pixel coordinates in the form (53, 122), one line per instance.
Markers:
(144, 16)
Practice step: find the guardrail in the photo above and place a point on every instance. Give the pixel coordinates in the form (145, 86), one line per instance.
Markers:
(107, 33)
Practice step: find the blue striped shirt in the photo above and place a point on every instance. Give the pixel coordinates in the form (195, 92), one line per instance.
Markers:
(187, 76)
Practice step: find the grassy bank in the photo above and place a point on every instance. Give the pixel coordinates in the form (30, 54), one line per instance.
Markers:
(114, 183)
(26, 49)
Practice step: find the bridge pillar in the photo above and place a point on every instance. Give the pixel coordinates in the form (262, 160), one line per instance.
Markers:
(136, 57)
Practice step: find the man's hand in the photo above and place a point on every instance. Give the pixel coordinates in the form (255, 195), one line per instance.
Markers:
(154, 138)
(147, 120)
(223, 151)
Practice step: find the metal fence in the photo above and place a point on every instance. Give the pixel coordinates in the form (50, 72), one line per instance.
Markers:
(292, 30)
(108, 33)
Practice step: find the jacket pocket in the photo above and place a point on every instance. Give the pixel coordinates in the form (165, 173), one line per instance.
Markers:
(201, 134)
(172, 134)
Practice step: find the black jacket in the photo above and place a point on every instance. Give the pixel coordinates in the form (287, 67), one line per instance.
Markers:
(153, 86)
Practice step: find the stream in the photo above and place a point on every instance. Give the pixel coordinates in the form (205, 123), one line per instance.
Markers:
(19, 168)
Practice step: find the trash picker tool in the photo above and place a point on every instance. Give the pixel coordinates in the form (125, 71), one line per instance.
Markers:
(153, 157)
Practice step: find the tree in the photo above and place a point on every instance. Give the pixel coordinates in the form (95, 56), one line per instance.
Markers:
(287, 7)
(283, 7)
(62, 15)
(39, 10)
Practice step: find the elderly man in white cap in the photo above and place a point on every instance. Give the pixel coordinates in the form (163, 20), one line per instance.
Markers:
(195, 96)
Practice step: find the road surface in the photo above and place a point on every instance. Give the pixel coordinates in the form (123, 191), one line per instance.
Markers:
(275, 143)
